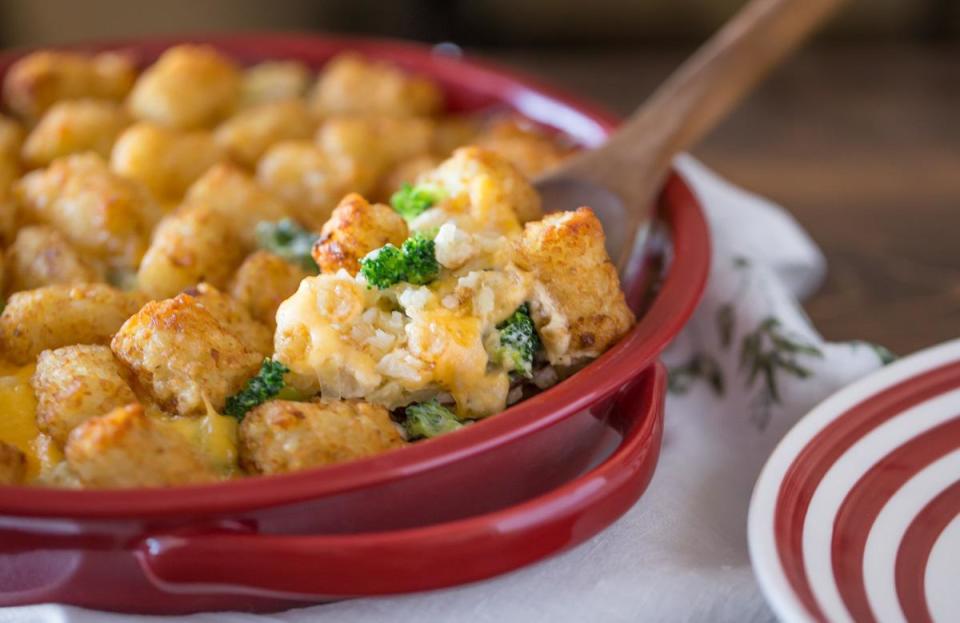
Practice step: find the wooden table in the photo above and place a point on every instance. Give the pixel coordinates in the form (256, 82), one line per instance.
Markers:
(862, 145)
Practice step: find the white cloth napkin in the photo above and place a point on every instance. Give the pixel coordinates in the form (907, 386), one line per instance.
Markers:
(747, 367)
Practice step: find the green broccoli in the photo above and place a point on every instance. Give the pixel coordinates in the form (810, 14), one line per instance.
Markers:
(412, 201)
(414, 262)
(267, 384)
(288, 240)
(519, 342)
(429, 419)
(384, 267)
(420, 257)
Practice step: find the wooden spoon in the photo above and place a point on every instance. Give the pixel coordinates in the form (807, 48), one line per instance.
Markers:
(621, 179)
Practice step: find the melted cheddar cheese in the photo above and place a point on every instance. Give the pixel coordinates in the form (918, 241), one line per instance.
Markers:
(18, 426)
(213, 435)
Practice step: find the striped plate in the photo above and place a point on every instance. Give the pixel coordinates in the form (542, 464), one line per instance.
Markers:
(856, 516)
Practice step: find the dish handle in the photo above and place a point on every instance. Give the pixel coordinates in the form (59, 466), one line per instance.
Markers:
(341, 565)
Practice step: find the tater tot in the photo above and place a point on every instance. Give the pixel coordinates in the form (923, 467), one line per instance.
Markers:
(8, 207)
(166, 161)
(303, 176)
(238, 200)
(271, 81)
(579, 309)
(42, 256)
(189, 87)
(263, 281)
(76, 383)
(492, 192)
(528, 149)
(191, 245)
(405, 172)
(453, 131)
(281, 436)
(39, 80)
(248, 134)
(234, 317)
(356, 228)
(102, 214)
(13, 464)
(183, 356)
(125, 448)
(363, 148)
(11, 138)
(350, 84)
(62, 315)
(74, 126)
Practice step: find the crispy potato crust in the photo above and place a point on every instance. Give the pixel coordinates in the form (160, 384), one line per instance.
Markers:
(356, 228)
(246, 136)
(238, 200)
(497, 196)
(74, 126)
(42, 256)
(580, 310)
(272, 81)
(305, 177)
(531, 151)
(39, 80)
(189, 87)
(193, 244)
(76, 383)
(164, 160)
(63, 315)
(124, 448)
(234, 317)
(262, 282)
(101, 213)
(350, 84)
(282, 436)
(11, 138)
(180, 353)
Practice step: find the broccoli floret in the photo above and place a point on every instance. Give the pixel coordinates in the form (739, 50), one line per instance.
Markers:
(519, 342)
(414, 262)
(384, 267)
(288, 240)
(412, 201)
(266, 385)
(420, 257)
(429, 419)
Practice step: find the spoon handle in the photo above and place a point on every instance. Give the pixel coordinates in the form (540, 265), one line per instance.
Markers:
(703, 91)
(696, 97)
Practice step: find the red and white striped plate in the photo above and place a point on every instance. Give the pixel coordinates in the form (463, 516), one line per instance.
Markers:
(856, 516)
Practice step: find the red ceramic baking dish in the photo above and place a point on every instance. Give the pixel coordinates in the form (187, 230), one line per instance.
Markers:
(363, 527)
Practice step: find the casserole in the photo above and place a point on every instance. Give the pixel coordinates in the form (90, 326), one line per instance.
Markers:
(83, 547)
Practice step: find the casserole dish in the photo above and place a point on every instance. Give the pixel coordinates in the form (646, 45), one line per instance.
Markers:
(94, 548)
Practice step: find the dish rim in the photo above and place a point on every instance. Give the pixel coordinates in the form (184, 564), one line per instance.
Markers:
(762, 539)
(674, 303)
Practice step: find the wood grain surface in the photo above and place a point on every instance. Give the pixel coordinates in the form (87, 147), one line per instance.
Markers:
(861, 144)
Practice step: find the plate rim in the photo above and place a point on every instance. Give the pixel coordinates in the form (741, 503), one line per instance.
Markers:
(761, 536)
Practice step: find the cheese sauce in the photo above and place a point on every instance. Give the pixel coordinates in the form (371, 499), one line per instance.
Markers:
(214, 435)
(18, 422)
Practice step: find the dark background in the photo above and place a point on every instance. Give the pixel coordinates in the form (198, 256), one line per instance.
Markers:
(564, 23)
(859, 135)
